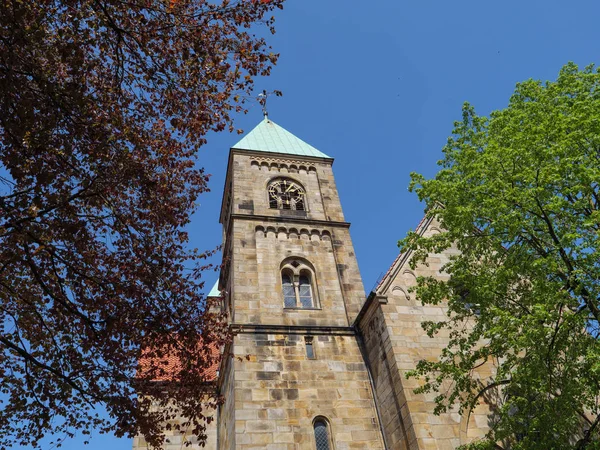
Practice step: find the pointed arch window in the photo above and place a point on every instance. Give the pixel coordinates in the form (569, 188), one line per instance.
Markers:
(322, 434)
(298, 285)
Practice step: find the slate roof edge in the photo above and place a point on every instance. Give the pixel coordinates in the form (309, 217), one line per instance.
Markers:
(282, 155)
(270, 137)
(401, 258)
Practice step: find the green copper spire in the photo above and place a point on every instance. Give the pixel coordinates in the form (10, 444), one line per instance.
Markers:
(269, 137)
(214, 292)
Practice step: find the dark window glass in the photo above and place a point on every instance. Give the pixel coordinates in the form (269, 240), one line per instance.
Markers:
(284, 194)
(289, 294)
(474, 308)
(322, 435)
(305, 292)
(465, 296)
(286, 202)
(310, 351)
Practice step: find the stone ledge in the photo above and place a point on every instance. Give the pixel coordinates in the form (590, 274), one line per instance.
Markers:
(237, 328)
(262, 218)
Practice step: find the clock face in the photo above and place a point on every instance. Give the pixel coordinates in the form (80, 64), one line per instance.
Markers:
(285, 194)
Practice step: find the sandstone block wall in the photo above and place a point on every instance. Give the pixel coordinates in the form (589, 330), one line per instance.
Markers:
(250, 174)
(280, 391)
(396, 339)
(259, 239)
(388, 382)
(256, 273)
(348, 272)
(226, 413)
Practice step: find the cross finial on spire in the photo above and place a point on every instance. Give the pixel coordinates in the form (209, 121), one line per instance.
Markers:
(262, 100)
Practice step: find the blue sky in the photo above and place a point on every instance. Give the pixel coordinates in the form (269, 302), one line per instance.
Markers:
(377, 85)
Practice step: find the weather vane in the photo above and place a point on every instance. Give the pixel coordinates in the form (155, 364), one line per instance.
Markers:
(262, 100)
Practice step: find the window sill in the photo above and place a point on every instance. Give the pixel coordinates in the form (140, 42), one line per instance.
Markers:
(302, 309)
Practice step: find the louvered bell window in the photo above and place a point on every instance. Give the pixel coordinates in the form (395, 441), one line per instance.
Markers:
(322, 435)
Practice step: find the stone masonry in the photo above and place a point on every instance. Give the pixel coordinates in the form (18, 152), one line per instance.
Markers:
(391, 326)
(353, 376)
(279, 391)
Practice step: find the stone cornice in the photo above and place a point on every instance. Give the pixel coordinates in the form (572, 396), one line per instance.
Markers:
(282, 156)
(312, 222)
(373, 298)
(238, 328)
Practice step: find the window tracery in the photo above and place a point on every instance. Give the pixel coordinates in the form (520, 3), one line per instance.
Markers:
(298, 285)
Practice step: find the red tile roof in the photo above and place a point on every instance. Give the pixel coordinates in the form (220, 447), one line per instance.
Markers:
(171, 364)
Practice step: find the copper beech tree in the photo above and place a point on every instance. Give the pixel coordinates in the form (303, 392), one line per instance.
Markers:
(103, 106)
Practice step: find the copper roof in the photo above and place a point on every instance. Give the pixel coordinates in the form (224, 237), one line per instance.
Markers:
(269, 137)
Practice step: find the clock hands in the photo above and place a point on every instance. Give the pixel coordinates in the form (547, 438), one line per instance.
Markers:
(287, 194)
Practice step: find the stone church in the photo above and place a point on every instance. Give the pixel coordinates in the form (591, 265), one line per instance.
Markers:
(327, 363)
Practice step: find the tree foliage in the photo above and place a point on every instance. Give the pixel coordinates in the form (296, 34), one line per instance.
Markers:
(103, 107)
(518, 194)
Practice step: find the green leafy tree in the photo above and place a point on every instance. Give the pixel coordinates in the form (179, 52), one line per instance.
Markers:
(103, 107)
(518, 194)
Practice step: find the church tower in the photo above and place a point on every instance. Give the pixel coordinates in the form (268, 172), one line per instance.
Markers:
(292, 290)
(317, 366)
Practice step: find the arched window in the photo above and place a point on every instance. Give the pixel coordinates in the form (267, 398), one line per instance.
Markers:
(286, 194)
(305, 290)
(298, 284)
(322, 436)
(289, 291)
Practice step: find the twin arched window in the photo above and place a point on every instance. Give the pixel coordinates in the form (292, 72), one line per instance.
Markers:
(298, 285)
